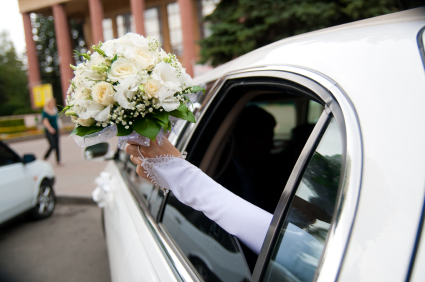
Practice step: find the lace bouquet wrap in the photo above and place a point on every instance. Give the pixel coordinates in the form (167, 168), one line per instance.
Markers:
(128, 87)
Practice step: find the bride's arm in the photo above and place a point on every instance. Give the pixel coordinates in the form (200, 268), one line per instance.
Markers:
(194, 188)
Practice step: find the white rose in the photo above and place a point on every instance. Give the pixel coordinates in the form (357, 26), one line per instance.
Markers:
(167, 76)
(121, 98)
(133, 39)
(103, 93)
(74, 119)
(81, 93)
(85, 122)
(95, 60)
(122, 68)
(91, 75)
(167, 99)
(152, 88)
(185, 80)
(89, 110)
(144, 57)
(128, 86)
(116, 47)
(104, 114)
(162, 54)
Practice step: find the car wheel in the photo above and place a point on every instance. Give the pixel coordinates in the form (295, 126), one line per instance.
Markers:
(46, 202)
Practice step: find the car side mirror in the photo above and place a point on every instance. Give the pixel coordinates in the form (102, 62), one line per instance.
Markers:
(28, 158)
(96, 151)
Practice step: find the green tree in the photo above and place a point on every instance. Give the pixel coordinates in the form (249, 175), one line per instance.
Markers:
(47, 51)
(14, 94)
(240, 26)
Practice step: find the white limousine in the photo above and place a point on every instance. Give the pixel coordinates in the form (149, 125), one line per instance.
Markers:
(340, 116)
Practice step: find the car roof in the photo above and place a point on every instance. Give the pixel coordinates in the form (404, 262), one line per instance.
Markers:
(254, 58)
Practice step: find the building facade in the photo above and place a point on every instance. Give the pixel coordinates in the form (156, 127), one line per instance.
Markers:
(177, 25)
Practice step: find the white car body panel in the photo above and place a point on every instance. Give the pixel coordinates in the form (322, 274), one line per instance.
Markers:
(380, 69)
(15, 189)
(134, 254)
(19, 184)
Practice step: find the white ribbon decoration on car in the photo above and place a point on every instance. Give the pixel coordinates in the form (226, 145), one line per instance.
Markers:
(101, 194)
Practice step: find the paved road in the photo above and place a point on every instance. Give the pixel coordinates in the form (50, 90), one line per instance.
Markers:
(76, 176)
(69, 246)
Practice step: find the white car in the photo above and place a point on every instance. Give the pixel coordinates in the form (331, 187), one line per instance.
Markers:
(337, 121)
(26, 184)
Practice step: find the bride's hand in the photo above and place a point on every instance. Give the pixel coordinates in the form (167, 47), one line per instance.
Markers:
(154, 150)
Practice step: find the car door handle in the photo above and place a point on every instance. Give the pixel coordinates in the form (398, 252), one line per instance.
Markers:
(102, 194)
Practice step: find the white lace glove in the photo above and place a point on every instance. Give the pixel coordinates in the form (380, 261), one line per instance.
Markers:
(194, 188)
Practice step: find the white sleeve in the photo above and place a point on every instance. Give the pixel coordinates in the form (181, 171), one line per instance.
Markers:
(194, 188)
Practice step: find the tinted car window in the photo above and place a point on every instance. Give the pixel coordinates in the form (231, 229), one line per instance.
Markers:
(213, 252)
(141, 186)
(275, 122)
(302, 238)
(7, 156)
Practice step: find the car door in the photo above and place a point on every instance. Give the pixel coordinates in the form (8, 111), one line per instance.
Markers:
(190, 246)
(134, 254)
(305, 113)
(15, 184)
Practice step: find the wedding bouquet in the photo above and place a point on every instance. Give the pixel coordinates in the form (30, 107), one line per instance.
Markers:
(128, 87)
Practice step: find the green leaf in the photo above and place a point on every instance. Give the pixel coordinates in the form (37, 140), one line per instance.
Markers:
(122, 131)
(183, 112)
(191, 117)
(197, 88)
(163, 118)
(85, 130)
(147, 127)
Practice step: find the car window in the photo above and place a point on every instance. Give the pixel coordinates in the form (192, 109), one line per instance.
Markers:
(275, 121)
(301, 240)
(314, 111)
(285, 117)
(7, 156)
(142, 187)
(155, 201)
(215, 254)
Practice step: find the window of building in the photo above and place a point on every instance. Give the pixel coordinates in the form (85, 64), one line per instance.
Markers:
(175, 28)
(108, 32)
(205, 8)
(125, 24)
(152, 24)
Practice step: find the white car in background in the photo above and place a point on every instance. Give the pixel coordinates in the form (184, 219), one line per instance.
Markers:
(345, 179)
(26, 184)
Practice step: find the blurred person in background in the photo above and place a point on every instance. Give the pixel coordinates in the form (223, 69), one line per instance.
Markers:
(50, 122)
